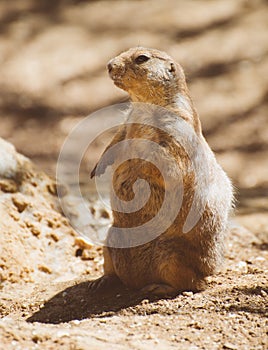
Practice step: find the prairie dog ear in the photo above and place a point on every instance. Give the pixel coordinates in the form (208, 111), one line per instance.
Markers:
(172, 67)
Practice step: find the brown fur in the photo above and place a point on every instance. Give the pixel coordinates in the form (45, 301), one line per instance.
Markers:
(173, 261)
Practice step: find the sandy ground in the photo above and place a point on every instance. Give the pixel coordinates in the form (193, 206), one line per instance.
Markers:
(52, 74)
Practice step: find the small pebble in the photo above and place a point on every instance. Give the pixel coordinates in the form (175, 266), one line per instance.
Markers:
(263, 293)
(82, 243)
(63, 333)
(76, 322)
(45, 269)
(188, 294)
(20, 202)
(242, 267)
(229, 346)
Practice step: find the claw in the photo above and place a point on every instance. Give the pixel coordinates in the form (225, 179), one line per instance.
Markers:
(103, 282)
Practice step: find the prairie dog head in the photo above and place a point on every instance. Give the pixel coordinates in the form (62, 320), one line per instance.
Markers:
(148, 75)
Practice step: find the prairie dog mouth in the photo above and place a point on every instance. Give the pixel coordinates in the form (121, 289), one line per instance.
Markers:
(116, 77)
(118, 82)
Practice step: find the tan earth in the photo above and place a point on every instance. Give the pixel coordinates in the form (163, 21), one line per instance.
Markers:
(52, 75)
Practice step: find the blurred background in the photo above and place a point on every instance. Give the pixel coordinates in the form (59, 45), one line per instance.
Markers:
(53, 58)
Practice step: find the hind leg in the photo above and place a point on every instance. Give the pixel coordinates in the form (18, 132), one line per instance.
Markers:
(172, 278)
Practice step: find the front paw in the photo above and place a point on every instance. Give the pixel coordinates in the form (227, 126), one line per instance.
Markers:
(103, 283)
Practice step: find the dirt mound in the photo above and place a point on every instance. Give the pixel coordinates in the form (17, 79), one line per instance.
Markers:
(36, 239)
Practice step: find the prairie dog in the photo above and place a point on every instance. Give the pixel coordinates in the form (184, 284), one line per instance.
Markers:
(173, 260)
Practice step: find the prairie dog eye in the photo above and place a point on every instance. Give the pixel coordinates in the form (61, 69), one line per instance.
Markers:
(141, 59)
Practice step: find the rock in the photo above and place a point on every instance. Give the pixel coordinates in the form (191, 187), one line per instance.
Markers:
(9, 159)
(31, 225)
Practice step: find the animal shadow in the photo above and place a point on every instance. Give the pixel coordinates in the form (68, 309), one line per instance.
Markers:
(81, 301)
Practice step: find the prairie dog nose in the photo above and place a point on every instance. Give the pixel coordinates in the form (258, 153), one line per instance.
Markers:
(110, 66)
